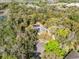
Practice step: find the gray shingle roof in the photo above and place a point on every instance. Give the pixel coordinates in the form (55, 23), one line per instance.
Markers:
(73, 55)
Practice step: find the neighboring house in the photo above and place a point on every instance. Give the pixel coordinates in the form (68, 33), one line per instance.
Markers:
(43, 33)
(72, 55)
(39, 27)
(33, 6)
(5, 1)
(28, 1)
(3, 14)
(52, 1)
(73, 4)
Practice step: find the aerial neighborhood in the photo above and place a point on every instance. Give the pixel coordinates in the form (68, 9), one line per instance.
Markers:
(39, 29)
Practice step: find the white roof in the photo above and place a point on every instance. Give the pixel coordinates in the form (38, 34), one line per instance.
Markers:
(5, 1)
(73, 4)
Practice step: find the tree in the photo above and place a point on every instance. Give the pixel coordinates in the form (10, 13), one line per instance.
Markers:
(53, 47)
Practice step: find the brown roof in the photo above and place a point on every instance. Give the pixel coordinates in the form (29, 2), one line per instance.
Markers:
(73, 55)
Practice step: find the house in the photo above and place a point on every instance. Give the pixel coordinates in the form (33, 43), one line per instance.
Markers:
(3, 14)
(72, 55)
(5, 1)
(39, 27)
(52, 1)
(73, 4)
(28, 1)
